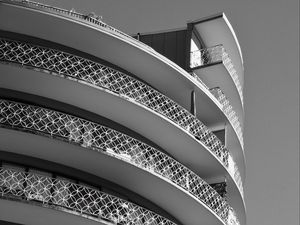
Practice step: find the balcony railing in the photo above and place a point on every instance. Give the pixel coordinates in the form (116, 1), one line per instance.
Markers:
(74, 67)
(67, 196)
(90, 19)
(213, 55)
(206, 56)
(229, 112)
(99, 138)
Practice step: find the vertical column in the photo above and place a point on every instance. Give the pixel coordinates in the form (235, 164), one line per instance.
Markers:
(188, 47)
(193, 103)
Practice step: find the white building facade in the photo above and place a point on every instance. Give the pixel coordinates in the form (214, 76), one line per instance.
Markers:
(98, 127)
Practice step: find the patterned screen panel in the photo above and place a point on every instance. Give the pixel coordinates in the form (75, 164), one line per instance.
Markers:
(106, 140)
(75, 67)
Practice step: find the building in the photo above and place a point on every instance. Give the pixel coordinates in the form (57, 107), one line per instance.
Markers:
(98, 127)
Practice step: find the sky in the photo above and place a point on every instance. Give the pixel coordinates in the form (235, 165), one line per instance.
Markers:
(268, 32)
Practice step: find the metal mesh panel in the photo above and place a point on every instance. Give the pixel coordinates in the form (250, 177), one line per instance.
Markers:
(77, 198)
(100, 138)
(229, 112)
(75, 67)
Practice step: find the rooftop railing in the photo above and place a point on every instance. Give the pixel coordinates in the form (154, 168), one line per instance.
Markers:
(64, 195)
(89, 135)
(74, 67)
(91, 18)
(213, 55)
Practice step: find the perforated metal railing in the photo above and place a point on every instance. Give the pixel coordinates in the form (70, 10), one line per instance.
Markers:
(229, 112)
(206, 56)
(59, 192)
(75, 67)
(90, 18)
(216, 54)
(41, 121)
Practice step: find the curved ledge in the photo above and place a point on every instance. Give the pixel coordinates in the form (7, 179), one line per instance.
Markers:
(19, 212)
(234, 36)
(115, 144)
(97, 75)
(66, 196)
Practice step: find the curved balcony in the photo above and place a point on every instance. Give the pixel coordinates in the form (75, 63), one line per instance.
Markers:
(69, 197)
(89, 19)
(212, 55)
(101, 42)
(97, 75)
(102, 139)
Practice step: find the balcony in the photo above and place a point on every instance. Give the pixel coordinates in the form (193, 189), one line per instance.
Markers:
(216, 29)
(133, 56)
(66, 196)
(213, 55)
(96, 75)
(49, 123)
(89, 19)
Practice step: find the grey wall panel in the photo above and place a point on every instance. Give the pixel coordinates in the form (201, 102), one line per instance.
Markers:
(172, 45)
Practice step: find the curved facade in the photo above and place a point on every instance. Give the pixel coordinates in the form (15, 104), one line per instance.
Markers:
(91, 130)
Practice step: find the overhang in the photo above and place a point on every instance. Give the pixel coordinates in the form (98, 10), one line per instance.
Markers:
(215, 30)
